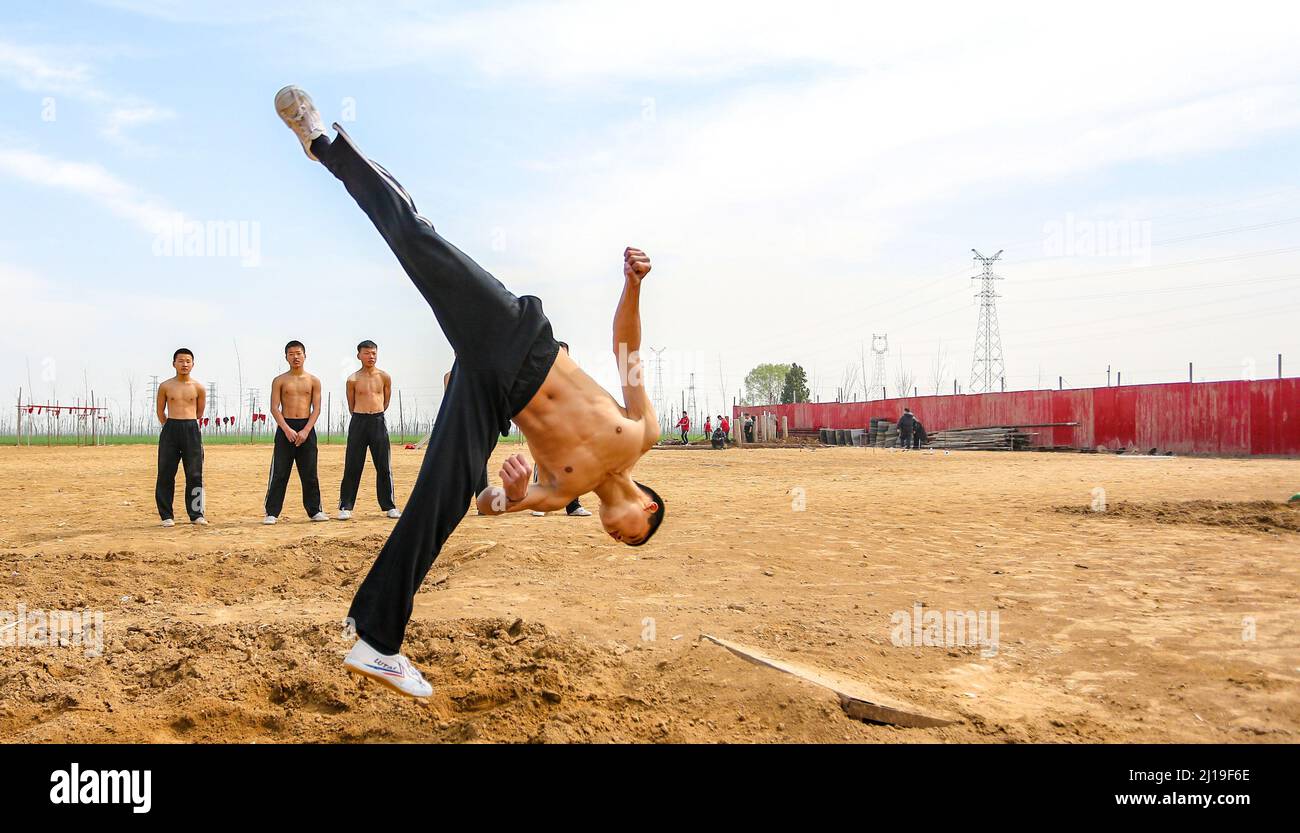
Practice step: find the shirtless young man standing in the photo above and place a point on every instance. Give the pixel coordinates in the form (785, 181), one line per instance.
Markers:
(508, 366)
(369, 392)
(295, 404)
(181, 402)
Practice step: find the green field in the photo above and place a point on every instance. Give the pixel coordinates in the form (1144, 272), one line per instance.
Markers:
(213, 438)
(263, 438)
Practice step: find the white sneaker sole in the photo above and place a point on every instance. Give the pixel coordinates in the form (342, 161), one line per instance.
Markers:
(288, 100)
(384, 681)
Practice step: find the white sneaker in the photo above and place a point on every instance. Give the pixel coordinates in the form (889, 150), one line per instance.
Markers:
(394, 671)
(200, 521)
(344, 515)
(320, 516)
(537, 514)
(300, 114)
(270, 519)
(394, 512)
(169, 522)
(580, 512)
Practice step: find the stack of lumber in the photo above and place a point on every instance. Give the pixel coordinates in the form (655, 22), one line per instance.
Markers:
(999, 438)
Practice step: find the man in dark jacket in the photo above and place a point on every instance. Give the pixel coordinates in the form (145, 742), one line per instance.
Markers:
(918, 433)
(905, 425)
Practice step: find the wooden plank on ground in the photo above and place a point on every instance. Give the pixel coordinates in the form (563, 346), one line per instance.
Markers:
(857, 700)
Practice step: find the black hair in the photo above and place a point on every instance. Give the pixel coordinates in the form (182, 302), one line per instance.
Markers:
(295, 344)
(564, 344)
(184, 350)
(363, 345)
(656, 519)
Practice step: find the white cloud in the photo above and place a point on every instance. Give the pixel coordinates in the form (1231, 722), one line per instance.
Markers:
(799, 140)
(122, 118)
(34, 71)
(54, 72)
(91, 181)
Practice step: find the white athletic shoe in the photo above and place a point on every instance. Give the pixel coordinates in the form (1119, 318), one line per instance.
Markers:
(344, 515)
(320, 516)
(394, 671)
(270, 519)
(200, 521)
(394, 512)
(580, 512)
(300, 114)
(537, 514)
(169, 522)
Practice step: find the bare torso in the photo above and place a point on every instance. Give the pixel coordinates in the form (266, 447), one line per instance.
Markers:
(296, 395)
(368, 386)
(182, 398)
(577, 433)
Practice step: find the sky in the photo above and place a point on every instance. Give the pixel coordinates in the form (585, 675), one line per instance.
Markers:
(804, 176)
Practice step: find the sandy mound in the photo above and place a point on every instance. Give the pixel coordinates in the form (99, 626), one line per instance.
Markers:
(1255, 515)
(250, 682)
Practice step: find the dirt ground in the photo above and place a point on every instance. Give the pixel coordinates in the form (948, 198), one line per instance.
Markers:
(1161, 620)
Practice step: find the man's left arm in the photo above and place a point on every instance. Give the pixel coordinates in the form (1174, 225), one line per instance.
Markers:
(388, 390)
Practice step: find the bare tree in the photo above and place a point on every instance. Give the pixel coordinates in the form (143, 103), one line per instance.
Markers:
(904, 378)
(940, 368)
(239, 371)
(862, 364)
(130, 403)
(849, 383)
(722, 383)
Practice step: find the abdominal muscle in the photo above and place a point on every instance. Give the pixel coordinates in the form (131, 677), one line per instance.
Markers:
(576, 431)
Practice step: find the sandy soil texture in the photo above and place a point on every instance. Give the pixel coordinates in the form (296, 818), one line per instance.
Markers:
(1172, 616)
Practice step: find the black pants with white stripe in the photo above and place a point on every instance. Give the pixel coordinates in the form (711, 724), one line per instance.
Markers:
(285, 456)
(504, 349)
(367, 431)
(180, 441)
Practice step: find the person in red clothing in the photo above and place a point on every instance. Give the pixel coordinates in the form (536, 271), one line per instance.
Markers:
(685, 425)
(725, 425)
(708, 426)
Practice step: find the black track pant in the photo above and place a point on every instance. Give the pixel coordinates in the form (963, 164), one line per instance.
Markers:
(180, 441)
(367, 431)
(504, 349)
(283, 459)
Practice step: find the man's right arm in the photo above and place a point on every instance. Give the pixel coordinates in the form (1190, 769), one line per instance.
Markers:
(161, 404)
(352, 394)
(517, 491)
(627, 344)
(539, 496)
(277, 412)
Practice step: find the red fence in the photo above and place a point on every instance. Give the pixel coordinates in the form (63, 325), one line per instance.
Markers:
(1228, 418)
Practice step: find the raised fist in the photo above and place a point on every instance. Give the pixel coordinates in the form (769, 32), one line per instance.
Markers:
(636, 264)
